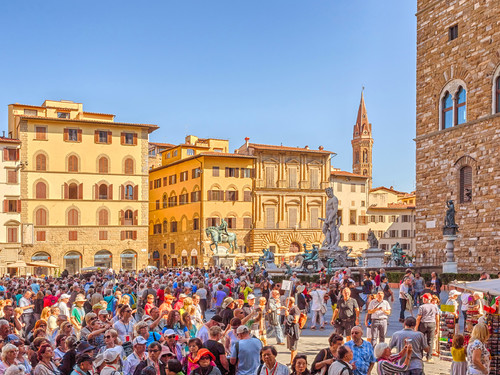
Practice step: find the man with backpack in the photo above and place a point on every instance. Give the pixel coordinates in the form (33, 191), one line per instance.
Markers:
(245, 353)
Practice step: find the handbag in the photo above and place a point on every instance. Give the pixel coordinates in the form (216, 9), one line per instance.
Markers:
(323, 309)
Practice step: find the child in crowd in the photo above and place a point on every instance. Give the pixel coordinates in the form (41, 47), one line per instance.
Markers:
(459, 365)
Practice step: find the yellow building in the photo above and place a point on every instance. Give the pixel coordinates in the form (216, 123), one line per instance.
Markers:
(199, 184)
(84, 188)
(154, 153)
(288, 197)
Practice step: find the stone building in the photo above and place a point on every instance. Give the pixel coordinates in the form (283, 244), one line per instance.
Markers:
(458, 130)
(154, 153)
(362, 144)
(84, 186)
(288, 197)
(10, 196)
(198, 184)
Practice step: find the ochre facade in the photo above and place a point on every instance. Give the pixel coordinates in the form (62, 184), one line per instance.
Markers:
(84, 187)
(458, 130)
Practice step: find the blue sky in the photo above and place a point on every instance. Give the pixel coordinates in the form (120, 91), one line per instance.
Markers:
(277, 71)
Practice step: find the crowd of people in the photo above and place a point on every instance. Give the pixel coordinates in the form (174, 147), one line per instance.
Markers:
(219, 322)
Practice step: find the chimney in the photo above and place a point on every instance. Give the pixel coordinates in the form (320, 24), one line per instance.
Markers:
(307, 147)
(246, 141)
(321, 148)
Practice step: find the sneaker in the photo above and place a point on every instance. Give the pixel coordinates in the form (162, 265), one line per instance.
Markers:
(322, 328)
(313, 328)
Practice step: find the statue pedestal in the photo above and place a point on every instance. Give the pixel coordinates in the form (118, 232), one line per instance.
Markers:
(450, 266)
(374, 257)
(325, 253)
(270, 265)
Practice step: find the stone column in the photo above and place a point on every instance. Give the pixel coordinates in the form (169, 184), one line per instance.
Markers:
(450, 266)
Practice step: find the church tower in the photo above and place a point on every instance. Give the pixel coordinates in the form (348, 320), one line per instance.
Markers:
(362, 143)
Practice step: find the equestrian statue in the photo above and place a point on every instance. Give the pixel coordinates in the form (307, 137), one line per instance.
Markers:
(219, 234)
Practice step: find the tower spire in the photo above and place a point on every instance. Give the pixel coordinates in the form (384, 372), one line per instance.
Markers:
(363, 127)
(362, 142)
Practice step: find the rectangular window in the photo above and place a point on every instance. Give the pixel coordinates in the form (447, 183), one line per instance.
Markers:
(270, 219)
(363, 188)
(363, 203)
(212, 221)
(183, 176)
(157, 183)
(174, 153)
(315, 217)
(196, 173)
(380, 233)
(232, 172)
(128, 138)
(341, 236)
(231, 222)
(157, 204)
(13, 205)
(393, 233)
(362, 237)
(247, 196)
(381, 219)
(10, 154)
(372, 219)
(231, 195)
(215, 195)
(314, 176)
(103, 235)
(40, 235)
(405, 218)
(247, 222)
(165, 181)
(12, 234)
(183, 198)
(339, 214)
(352, 217)
(215, 171)
(196, 223)
(130, 235)
(103, 136)
(172, 201)
(63, 115)
(157, 229)
(11, 176)
(40, 133)
(453, 33)
(30, 112)
(190, 152)
(73, 135)
(292, 217)
(172, 179)
(173, 226)
(292, 177)
(195, 196)
(270, 182)
(172, 248)
(352, 236)
(353, 188)
(339, 186)
(246, 173)
(73, 235)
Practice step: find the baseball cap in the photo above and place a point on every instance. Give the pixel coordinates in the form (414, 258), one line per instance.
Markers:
(217, 318)
(250, 296)
(139, 340)
(103, 312)
(110, 355)
(64, 296)
(242, 329)
(169, 332)
(427, 296)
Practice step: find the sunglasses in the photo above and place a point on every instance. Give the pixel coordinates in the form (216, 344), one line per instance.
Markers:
(171, 337)
(206, 357)
(108, 337)
(355, 333)
(154, 350)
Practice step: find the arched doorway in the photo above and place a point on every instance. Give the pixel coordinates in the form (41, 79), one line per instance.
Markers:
(174, 260)
(184, 258)
(165, 261)
(41, 256)
(194, 257)
(294, 247)
(73, 262)
(156, 258)
(128, 260)
(103, 259)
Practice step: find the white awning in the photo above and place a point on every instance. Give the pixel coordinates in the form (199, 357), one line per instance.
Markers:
(486, 286)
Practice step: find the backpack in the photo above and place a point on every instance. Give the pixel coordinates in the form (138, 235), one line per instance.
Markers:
(302, 320)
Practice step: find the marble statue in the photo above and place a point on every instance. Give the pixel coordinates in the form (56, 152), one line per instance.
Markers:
(331, 222)
(372, 239)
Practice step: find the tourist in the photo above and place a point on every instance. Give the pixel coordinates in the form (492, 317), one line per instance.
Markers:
(9, 357)
(172, 343)
(436, 281)
(244, 290)
(299, 365)
(418, 288)
(219, 297)
(362, 352)
(78, 313)
(217, 349)
(464, 303)
(478, 356)
(194, 345)
(139, 354)
(142, 330)
(245, 353)
(205, 364)
(391, 364)
(400, 339)
(204, 329)
(428, 322)
(83, 365)
(459, 364)
(167, 304)
(125, 325)
(186, 320)
(28, 316)
(45, 365)
(301, 298)
(380, 310)
(197, 316)
(346, 315)
(404, 296)
(112, 341)
(342, 366)
(227, 310)
(318, 306)
(292, 330)
(173, 367)
(275, 309)
(111, 362)
(270, 365)
(386, 288)
(153, 359)
(174, 323)
(202, 294)
(326, 356)
(230, 334)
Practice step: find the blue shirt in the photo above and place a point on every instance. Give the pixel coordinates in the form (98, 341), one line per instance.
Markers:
(35, 288)
(362, 355)
(248, 355)
(219, 298)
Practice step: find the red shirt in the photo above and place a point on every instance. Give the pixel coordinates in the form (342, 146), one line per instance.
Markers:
(49, 301)
(160, 294)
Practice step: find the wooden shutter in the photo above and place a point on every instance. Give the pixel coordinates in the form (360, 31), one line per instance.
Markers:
(122, 235)
(122, 138)
(237, 172)
(19, 205)
(209, 195)
(136, 192)
(96, 136)
(134, 235)
(17, 154)
(5, 154)
(80, 191)
(135, 139)
(252, 172)
(236, 195)
(209, 222)
(66, 191)
(66, 134)
(122, 192)
(110, 137)
(227, 172)
(96, 192)
(79, 135)
(150, 185)
(465, 184)
(5, 205)
(226, 195)
(121, 218)
(136, 217)
(110, 191)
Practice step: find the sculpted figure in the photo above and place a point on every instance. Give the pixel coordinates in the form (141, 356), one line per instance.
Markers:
(372, 239)
(331, 221)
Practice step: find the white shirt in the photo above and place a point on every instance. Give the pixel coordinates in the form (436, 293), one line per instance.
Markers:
(131, 363)
(317, 299)
(379, 314)
(464, 298)
(64, 310)
(25, 302)
(125, 330)
(280, 370)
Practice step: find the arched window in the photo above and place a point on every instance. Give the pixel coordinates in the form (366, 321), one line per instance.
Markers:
(129, 217)
(41, 216)
(73, 218)
(41, 190)
(41, 162)
(365, 172)
(165, 226)
(73, 191)
(447, 115)
(72, 164)
(103, 191)
(129, 166)
(356, 157)
(497, 95)
(103, 217)
(465, 184)
(165, 200)
(129, 192)
(103, 165)
(461, 106)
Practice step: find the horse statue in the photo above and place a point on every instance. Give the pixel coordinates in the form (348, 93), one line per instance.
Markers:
(217, 237)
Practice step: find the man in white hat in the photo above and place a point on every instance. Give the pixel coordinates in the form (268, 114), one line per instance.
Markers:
(139, 354)
(78, 313)
(63, 305)
(245, 353)
(111, 361)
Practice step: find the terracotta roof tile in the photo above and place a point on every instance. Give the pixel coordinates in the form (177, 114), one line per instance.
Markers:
(259, 146)
(348, 174)
(9, 140)
(168, 145)
(388, 189)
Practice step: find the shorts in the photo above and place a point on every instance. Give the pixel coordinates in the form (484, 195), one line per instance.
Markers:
(343, 327)
(291, 343)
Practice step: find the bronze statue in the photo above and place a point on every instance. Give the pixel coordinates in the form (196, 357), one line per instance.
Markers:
(397, 256)
(449, 220)
(219, 236)
(372, 239)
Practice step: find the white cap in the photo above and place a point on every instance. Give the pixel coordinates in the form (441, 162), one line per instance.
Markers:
(139, 340)
(110, 355)
(63, 296)
(250, 296)
(242, 329)
(454, 293)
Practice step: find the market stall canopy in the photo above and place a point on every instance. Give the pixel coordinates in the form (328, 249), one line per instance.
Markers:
(18, 264)
(486, 286)
(42, 264)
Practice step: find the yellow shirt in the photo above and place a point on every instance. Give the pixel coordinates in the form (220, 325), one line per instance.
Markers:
(458, 354)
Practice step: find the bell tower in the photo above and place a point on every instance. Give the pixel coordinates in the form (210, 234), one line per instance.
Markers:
(362, 143)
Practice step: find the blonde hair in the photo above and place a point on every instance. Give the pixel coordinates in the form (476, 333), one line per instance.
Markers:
(45, 313)
(114, 333)
(188, 301)
(140, 325)
(7, 349)
(480, 332)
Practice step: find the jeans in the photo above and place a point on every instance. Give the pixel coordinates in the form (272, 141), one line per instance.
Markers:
(378, 329)
(317, 315)
(29, 321)
(464, 313)
(429, 331)
(402, 303)
(416, 298)
(415, 371)
(280, 337)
